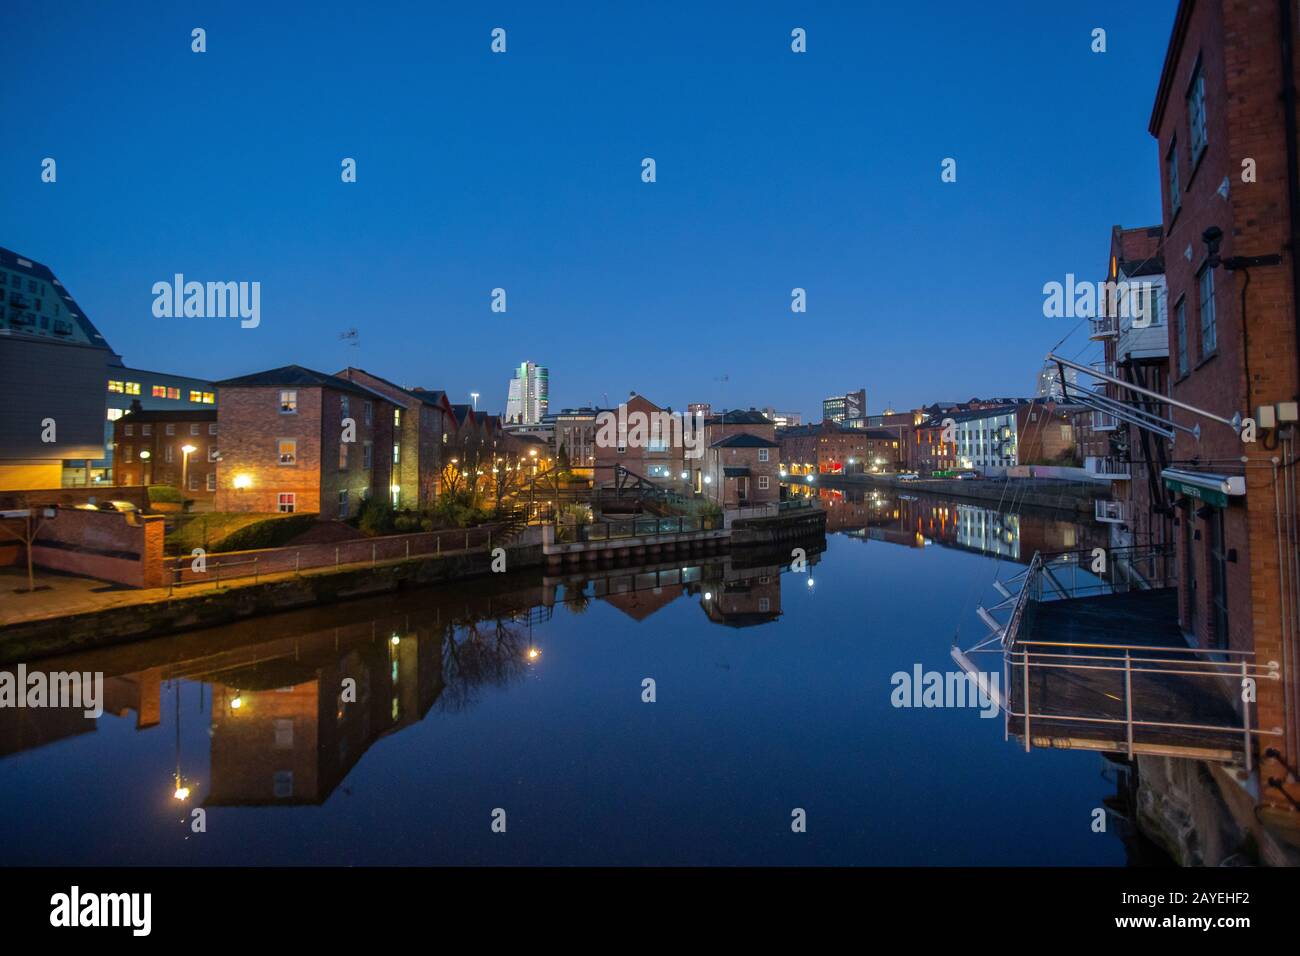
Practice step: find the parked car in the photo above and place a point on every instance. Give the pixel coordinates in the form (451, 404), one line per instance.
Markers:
(909, 476)
(108, 506)
(967, 476)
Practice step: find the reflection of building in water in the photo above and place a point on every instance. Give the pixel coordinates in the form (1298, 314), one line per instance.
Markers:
(740, 589)
(988, 531)
(294, 712)
(744, 597)
(915, 519)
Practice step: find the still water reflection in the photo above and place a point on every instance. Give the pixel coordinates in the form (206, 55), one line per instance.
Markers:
(772, 690)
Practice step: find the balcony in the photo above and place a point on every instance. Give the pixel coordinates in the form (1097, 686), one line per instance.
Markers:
(1095, 660)
(1141, 344)
(1108, 468)
(1110, 512)
(1103, 327)
(1104, 422)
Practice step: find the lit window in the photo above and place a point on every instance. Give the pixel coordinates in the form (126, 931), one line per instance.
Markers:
(397, 418)
(115, 386)
(397, 453)
(285, 502)
(288, 401)
(174, 393)
(196, 396)
(209, 398)
(158, 391)
(114, 414)
(288, 449)
(133, 388)
(343, 456)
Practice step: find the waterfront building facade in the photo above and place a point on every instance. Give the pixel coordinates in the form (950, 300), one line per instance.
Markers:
(180, 448)
(283, 449)
(1226, 105)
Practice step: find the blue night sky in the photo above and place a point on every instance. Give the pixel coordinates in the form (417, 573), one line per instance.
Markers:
(522, 171)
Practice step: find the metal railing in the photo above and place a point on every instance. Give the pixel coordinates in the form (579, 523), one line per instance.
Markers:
(610, 530)
(1107, 466)
(1110, 512)
(1221, 674)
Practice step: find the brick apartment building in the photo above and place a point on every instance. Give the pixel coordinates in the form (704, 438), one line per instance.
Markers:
(282, 447)
(1225, 118)
(1044, 434)
(150, 449)
(1136, 349)
(424, 423)
(741, 470)
(831, 448)
(660, 458)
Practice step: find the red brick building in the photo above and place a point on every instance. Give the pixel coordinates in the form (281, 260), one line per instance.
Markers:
(149, 448)
(283, 446)
(424, 424)
(834, 449)
(742, 470)
(1225, 119)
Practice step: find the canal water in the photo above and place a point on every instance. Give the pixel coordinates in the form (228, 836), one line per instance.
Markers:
(397, 730)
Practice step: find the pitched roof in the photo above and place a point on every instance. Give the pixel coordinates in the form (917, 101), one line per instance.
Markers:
(295, 376)
(739, 416)
(744, 440)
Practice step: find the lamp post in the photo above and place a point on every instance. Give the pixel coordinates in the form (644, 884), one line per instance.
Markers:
(145, 455)
(186, 451)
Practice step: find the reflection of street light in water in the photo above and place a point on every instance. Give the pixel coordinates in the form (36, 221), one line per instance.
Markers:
(181, 792)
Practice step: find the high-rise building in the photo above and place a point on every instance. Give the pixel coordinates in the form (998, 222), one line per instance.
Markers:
(848, 409)
(529, 395)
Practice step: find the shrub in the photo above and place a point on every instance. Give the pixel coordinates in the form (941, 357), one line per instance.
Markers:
(376, 517)
(165, 494)
(269, 533)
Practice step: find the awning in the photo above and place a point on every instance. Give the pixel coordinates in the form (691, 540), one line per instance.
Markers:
(735, 472)
(1204, 486)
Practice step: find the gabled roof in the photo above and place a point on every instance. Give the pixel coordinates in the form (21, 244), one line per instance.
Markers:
(296, 376)
(739, 417)
(744, 440)
(463, 413)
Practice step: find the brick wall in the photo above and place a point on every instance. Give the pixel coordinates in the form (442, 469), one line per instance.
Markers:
(1236, 42)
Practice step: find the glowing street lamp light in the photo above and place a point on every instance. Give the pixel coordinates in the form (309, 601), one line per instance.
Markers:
(186, 451)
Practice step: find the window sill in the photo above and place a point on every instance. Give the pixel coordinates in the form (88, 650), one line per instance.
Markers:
(1206, 360)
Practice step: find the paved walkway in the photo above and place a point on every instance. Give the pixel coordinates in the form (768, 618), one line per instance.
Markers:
(63, 595)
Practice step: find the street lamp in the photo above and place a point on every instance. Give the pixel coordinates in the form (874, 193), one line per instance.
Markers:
(474, 396)
(186, 451)
(144, 471)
